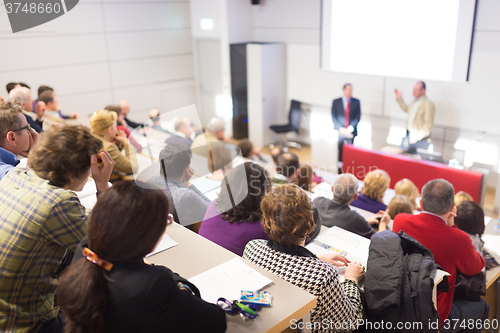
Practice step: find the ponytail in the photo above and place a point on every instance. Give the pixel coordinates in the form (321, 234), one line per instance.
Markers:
(82, 297)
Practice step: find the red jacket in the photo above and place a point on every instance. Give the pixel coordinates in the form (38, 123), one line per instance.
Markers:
(451, 247)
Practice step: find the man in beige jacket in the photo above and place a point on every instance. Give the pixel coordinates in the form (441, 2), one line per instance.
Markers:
(420, 114)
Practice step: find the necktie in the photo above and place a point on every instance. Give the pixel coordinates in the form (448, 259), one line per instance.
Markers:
(347, 113)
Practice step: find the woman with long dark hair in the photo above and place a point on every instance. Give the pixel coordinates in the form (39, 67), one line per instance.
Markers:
(113, 290)
(233, 219)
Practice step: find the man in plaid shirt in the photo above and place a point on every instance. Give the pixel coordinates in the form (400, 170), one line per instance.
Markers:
(40, 218)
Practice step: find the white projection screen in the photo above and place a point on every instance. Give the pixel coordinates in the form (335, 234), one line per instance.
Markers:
(421, 39)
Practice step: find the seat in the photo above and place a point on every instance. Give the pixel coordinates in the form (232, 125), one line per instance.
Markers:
(292, 126)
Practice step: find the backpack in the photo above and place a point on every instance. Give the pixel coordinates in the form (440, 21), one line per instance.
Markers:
(399, 284)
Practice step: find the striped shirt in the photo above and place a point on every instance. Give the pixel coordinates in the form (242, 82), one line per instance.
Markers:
(38, 222)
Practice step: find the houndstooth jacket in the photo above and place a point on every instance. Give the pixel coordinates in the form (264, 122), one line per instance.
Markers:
(336, 302)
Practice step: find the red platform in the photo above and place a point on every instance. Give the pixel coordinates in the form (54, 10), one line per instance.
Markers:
(359, 162)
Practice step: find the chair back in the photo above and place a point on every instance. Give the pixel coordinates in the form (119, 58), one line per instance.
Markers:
(294, 115)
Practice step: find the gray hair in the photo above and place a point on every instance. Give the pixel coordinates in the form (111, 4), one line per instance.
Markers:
(438, 196)
(215, 125)
(19, 94)
(345, 188)
(179, 122)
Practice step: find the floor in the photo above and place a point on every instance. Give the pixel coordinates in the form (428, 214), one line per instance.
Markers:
(305, 155)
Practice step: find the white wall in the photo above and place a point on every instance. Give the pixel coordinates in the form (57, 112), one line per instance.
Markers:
(104, 51)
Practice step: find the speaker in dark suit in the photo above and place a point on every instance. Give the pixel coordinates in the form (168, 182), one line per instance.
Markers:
(344, 108)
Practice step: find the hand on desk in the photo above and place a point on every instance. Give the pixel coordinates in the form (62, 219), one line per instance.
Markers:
(354, 271)
(335, 259)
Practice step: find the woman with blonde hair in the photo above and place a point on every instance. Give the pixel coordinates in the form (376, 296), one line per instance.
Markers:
(103, 126)
(399, 204)
(372, 194)
(407, 188)
(462, 196)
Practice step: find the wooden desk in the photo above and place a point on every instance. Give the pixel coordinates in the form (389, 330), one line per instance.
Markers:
(195, 254)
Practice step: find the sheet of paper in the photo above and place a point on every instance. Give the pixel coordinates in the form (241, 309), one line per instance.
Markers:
(205, 185)
(487, 220)
(440, 274)
(492, 242)
(165, 243)
(214, 194)
(228, 280)
(317, 249)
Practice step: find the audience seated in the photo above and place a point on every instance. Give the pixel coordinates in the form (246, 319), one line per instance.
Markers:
(470, 218)
(41, 218)
(232, 227)
(188, 204)
(220, 161)
(16, 136)
(154, 115)
(23, 96)
(371, 197)
(126, 110)
(285, 256)
(407, 188)
(46, 94)
(336, 212)
(287, 169)
(112, 289)
(399, 204)
(103, 125)
(462, 196)
(122, 126)
(451, 247)
(183, 131)
(214, 132)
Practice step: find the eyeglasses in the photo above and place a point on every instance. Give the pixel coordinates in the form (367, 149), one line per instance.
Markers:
(28, 127)
(235, 307)
(23, 128)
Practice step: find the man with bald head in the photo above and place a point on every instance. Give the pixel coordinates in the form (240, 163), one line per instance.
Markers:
(420, 116)
(126, 110)
(214, 132)
(336, 212)
(287, 169)
(183, 130)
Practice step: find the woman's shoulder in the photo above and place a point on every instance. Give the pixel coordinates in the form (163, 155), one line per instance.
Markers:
(259, 250)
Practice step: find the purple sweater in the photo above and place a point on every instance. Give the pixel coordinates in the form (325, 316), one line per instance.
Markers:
(368, 204)
(231, 236)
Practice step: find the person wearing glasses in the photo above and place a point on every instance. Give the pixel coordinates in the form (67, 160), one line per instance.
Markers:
(288, 219)
(16, 136)
(112, 289)
(41, 219)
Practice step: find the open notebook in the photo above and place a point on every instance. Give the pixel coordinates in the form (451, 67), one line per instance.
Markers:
(228, 280)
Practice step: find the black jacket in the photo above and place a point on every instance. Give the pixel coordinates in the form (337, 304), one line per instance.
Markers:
(132, 124)
(335, 214)
(399, 283)
(338, 114)
(147, 298)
